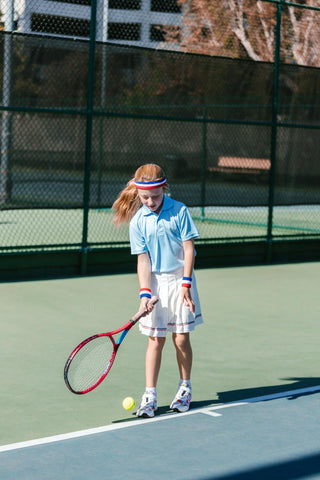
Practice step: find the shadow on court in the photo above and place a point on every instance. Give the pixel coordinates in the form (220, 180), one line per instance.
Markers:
(243, 394)
(247, 393)
(294, 469)
(165, 409)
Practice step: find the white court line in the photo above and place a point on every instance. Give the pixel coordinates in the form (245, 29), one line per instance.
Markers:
(208, 410)
(212, 414)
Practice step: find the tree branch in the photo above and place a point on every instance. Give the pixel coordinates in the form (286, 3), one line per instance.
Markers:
(239, 30)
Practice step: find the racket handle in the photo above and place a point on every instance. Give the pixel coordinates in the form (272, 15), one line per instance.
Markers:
(154, 300)
(141, 314)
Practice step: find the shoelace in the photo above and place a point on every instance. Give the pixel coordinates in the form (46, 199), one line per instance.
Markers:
(147, 400)
(183, 395)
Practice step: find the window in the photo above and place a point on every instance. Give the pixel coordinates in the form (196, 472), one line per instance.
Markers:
(156, 33)
(60, 25)
(125, 4)
(168, 6)
(78, 2)
(124, 31)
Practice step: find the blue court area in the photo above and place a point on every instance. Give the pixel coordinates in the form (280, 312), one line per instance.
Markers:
(271, 437)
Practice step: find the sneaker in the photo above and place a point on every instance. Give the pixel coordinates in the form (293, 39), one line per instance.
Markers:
(181, 401)
(148, 406)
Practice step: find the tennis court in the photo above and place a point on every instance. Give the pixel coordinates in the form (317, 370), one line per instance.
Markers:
(256, 382)
(231, 441)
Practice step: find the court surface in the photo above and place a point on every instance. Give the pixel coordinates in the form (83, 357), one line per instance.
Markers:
(256, 382)
(274, 437)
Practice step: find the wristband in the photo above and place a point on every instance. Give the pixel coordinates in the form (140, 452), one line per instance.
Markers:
(145, 292)
(186, 282)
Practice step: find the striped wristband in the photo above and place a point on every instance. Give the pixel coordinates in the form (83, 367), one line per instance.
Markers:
(145, 292)
(186, 282)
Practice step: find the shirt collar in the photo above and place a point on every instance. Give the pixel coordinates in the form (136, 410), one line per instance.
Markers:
(167, 204)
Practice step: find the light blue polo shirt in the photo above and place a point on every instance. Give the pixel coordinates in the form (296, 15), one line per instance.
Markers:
(162, 235)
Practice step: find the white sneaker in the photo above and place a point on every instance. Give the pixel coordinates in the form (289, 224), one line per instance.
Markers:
(148, 406)
(181, 401)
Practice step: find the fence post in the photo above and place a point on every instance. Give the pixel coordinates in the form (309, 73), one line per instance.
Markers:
(5, 152)
(203, 161)
(274, 128)
(104, 8)
(88, 151)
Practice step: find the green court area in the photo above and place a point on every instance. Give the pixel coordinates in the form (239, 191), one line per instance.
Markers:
(260, 337)
(42, 228)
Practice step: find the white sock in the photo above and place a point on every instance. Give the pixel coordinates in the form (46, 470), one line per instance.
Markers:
(152, 391)
(185, 383)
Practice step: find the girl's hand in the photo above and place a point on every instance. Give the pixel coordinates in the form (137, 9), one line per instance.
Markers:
(186, 298)
(145, 305)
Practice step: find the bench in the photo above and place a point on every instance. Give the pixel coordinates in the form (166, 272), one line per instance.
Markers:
(242, 165)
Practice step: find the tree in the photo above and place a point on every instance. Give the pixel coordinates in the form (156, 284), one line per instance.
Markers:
(246, 29)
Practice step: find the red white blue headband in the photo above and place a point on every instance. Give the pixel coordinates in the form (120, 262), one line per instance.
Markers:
(150, 185)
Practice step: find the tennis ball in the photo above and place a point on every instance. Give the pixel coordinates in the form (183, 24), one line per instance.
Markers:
(128, 403)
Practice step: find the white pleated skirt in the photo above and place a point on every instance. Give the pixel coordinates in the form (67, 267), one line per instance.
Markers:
(170, 314)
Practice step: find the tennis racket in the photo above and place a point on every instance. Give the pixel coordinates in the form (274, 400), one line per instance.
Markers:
(90, 362)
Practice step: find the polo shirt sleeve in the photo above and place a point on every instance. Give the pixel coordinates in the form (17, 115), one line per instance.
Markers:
(188, 229)
(137, 241)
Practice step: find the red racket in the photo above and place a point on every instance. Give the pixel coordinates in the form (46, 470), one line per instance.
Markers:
(90, 362)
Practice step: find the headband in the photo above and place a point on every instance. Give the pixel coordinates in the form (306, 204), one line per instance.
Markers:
(150, 185)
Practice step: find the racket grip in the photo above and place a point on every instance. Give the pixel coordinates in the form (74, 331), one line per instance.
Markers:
(141, 314)
(154, 300)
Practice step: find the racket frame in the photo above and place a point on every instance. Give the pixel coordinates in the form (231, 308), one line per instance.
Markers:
(116, 343)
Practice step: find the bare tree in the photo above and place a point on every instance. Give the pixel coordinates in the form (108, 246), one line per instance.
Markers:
(246, 29)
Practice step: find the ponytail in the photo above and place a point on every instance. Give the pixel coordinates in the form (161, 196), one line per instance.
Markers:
(127, 204)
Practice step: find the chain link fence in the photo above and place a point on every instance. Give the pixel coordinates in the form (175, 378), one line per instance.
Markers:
(226, 101)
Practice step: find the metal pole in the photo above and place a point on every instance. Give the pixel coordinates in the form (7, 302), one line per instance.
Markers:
(203, 162)
(104, 37)
(274, 128)
(88, 154)
(5, 169)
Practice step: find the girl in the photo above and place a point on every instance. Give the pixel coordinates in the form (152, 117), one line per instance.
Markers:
(162, 236)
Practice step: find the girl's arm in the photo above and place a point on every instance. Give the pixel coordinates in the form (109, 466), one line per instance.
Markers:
(144, 276)
(188, 248)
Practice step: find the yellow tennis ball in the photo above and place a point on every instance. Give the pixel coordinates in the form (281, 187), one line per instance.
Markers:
(128, 403)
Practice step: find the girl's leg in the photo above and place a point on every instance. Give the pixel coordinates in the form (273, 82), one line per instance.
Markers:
(184, 354)
(153, 360)
(181, 401)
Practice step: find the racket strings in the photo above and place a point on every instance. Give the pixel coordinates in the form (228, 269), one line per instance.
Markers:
(90, 363)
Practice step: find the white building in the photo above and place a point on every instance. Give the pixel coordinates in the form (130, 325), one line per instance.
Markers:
(129, 22)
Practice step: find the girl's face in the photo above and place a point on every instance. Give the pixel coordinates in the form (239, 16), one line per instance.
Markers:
(152, 198)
